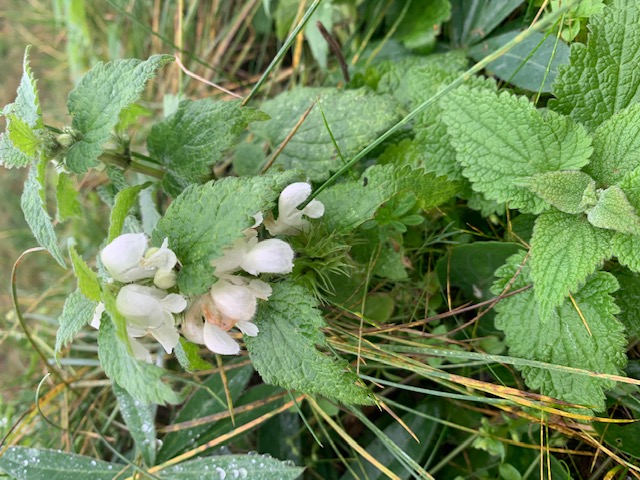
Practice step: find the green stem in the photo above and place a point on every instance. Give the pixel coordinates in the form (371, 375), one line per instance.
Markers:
(120, 161)
(283, 50)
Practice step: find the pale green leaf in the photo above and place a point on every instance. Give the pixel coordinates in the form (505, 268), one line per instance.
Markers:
(67, 198)
(630, 185)
(565, 249)
(97, 101)
(205, 219)
(614, 212)
(22, 136)
(35, 212)
(77, 312)
(601, 78)
(27, 104)
(24, 463)
(142, 380)
(615, 146)
(562, 338)
(254, 467)
(502, 139)
(10, 155)
(140, 420)
(317, 44)
(627, 250)
(355, 117)
(123, 202)
(188, 355)
(285, 354)
(88, 282)
(193, 139)
(349, 204)
(570, 191)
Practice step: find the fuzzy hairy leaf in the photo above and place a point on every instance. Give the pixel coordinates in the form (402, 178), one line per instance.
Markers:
(123, 202)
(563, 338)
(88, 282)
(285, 354)
(142, 380)
(628, 300)
(195, 137)
(570, 191)
(626, 248)
(355, 117)
(602, 76)
(76, 313)
(614, 212)
(262, 467)
(205, 219)
(35, 212)
(349, 204)
(565, 249)
(502, 139)
(99, 98)
(140, 420)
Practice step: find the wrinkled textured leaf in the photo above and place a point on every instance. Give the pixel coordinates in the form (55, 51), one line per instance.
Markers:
(76, 313)
(628, 300)
(285, 354)
(205, 219)
(195, 137)
(255, 467)
(124, 200)
(501, 139)
(97, 101)
(602, 76)
(627, 249)
(565, 249)
(88, 282)
(614, 212)
(355, 117)
(570, 191)
(563, 338)
(140, 419)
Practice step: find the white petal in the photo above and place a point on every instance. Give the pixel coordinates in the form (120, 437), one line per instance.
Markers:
(174, 303)
(162, 258)
(233, 301)
(97, 316)
(259, 218)
(122, 257)
(232, 257)
(269, 256)
(248, 328)
(219, 341)
(193, 325)
(139, 350)
(260, 289)
(314, 209)
(292, 196)
(167, 335)
(140, 305)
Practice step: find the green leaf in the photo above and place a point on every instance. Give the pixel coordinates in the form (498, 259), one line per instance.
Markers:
(628, 300)
(472, 20)
(140, 420)
(77, 312)
(502, 139)
(205, 219)
(356, 118)
(531, 65)
(142, 380)
(630, 185)
(285, 354)
(601, 78)
(570, 191)
(88, 282)
(24, 463)
(35, 212)
(27, 104)
(194, 138)
(10, 155)
(99, 98)
(565, 249)
(562, 338)
(350, 204)
(627, 249)
(255, 467)
(123, 202)
(22, 136)
(614, 212)
(188, 355)
(421, 22)
(67, 198)
(615, 144)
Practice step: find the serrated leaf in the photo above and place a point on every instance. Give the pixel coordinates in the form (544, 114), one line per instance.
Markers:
(628, 300)
(35, 212)
(194, 138)
(22, 136)
(614, 212)
(502, 139)
(67, 198)
(123, 202)
(255, 467)
(99, 98)
(562, 338)
(88, 282)
(24, 463)
(142, 380)
(601, 78)
(205, 219)
(140, 420)
(188, 355)
(77, 312)
(565, 249)
(570, 191)
(349, 204)
(355, 117)
(627, 250)
(284, 352)
(10, 156)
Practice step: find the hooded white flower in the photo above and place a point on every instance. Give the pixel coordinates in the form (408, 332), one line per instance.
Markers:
(231, 302)
(290, 221)
(127, 259)
(150, 310)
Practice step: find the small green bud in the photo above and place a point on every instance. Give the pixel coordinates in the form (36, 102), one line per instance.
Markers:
(65, 139)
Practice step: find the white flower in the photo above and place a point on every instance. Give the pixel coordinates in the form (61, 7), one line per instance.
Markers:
(290, 221)
(150, 310)
(255, 257)
(127, 259)
(231, 302)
